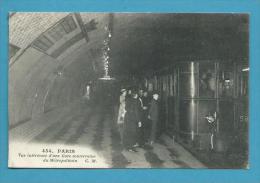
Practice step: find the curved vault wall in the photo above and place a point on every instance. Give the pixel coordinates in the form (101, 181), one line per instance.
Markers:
(35, 87)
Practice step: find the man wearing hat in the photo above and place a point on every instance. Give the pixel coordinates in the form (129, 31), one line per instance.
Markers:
(153, 115)
(132, 122)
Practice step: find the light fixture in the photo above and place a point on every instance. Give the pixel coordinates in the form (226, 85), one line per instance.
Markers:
(107, 78)
(245, 69)
(105, 57)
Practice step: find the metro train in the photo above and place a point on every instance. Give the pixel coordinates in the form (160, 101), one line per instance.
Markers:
(204, 104)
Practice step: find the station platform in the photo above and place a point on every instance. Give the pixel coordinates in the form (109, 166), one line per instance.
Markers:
(79, 125)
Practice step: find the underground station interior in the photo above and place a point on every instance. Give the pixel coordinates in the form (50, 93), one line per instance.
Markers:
(66, 71)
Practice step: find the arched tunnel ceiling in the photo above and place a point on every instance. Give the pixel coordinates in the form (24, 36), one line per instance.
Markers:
(144, 41)
(35, 85)
(25, 27)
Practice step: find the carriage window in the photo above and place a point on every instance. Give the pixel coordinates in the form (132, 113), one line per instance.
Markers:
(207, 80)
(155, 83)
(150, 86)
(164, 83)
(226, 80)
(160, 83)
(171, 85)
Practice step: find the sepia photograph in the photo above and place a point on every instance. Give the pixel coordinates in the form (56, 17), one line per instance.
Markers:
(128, 90)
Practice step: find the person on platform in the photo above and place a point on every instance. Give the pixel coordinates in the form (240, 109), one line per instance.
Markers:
(145, 121)
(129, 93)
(132, 122)
(153, 115)
(140, 130)
(121, 113)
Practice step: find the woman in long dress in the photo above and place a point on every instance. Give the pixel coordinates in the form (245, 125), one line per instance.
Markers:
(121, 113)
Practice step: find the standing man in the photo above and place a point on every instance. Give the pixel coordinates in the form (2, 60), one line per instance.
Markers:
(153, 115)
(140, 130)
(132, 122)
(146, 125)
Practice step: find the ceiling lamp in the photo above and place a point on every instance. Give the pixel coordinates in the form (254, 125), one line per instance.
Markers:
(105, 57)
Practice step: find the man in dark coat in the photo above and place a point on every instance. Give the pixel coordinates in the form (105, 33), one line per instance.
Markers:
(140, 130)
(153, 115)
(145, 121)
(132, 122)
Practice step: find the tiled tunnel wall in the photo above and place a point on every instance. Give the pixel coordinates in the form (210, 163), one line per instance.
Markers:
(39, 82)
(24, 81)
(35, 87)
(25, 27)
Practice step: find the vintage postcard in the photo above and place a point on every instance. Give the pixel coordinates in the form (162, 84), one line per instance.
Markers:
(128, 90)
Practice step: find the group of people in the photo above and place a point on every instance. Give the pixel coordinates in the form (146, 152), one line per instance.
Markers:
(137, 118)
